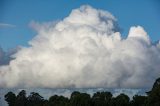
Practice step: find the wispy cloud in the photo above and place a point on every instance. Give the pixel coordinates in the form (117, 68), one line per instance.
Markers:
(5, 25)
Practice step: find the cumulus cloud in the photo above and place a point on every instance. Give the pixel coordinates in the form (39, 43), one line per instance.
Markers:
(85, 49)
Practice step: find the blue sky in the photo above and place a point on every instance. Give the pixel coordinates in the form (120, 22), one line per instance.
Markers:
(15, 16)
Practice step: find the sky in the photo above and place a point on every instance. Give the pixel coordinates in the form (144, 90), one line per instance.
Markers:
(16, 16)
(79, 44)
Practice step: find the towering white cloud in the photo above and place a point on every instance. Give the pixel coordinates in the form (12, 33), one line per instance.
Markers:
(84, 50)
(139, 33)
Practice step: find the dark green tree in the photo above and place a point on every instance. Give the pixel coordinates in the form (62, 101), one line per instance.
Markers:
(138, 100)
(101, 99)
(80, 99)
(10, 98)
(121, 100)
(21, 99)
(154, 94)
(58, 101)
(156, 83)
(34, 99)
(45, 103)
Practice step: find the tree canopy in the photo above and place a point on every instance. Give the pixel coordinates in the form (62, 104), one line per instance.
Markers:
(84, 99)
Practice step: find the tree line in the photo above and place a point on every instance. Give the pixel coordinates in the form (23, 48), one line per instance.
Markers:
(83, 99)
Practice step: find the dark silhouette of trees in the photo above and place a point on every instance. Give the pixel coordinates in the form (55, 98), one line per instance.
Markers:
(154, 95)
(80, 99)
(138, 100)
(101, 99)
(120, 100)
(21, 99)
(84, 99)
(156, 84)
(10, 98)
(34, 99)
(58, 101)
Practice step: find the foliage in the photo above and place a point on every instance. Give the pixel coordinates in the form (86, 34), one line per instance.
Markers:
(80, 99)
(154, 95)
(138, 100)
(10, 97)
(121, 100)
(101, 99)
(84, 99)
(58, 101)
